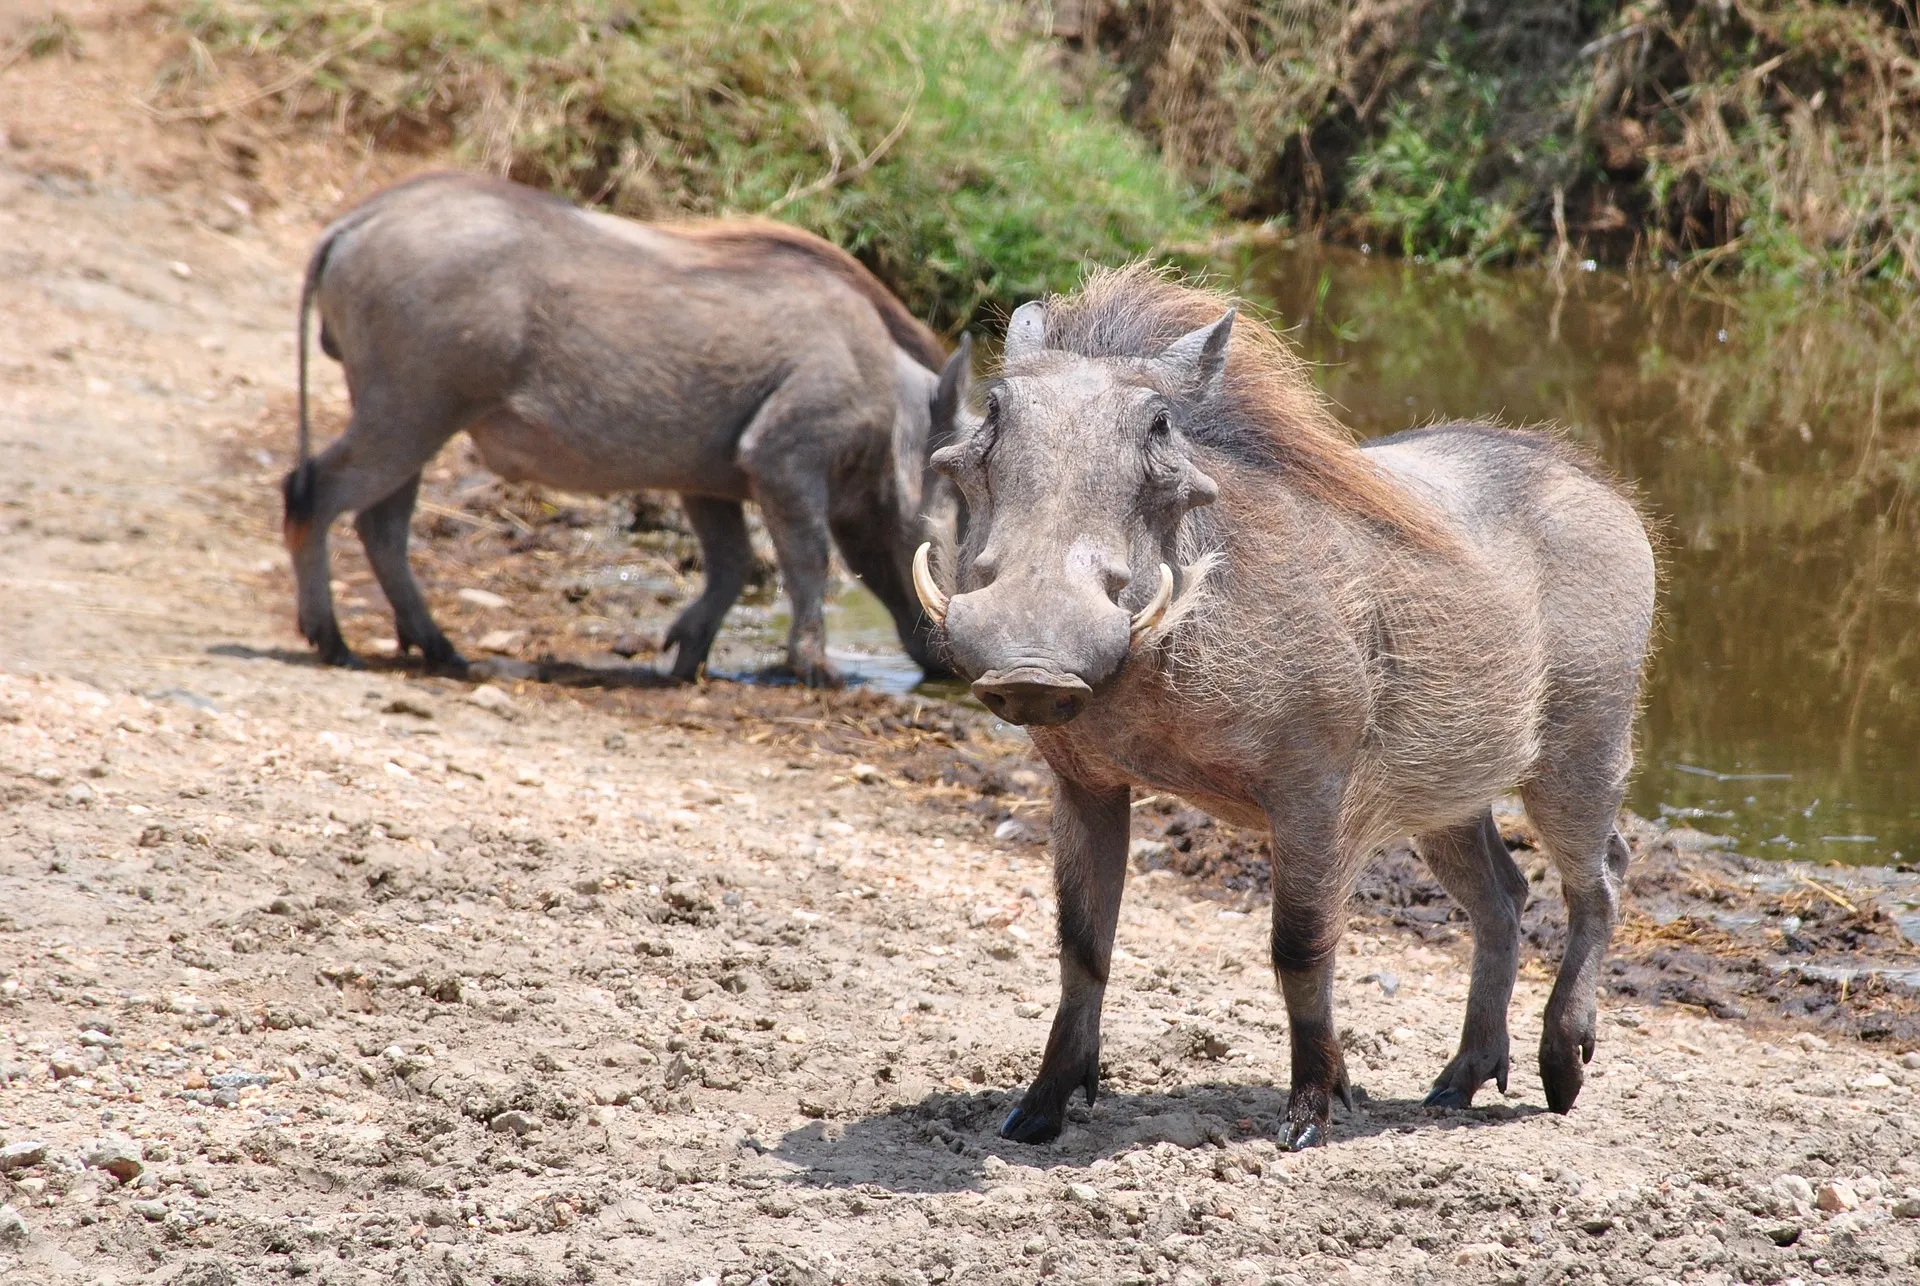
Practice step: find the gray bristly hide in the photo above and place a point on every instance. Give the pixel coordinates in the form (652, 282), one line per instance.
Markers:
(726, 361)
(1366, 643)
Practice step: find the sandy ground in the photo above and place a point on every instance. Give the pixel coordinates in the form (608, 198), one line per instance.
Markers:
(370, 977)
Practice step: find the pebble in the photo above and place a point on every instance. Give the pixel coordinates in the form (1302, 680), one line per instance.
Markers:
(992, 1165)
(18, 1156)
(121, 1160)
(81, 793)
(1876, 1081)
(868, 775)
(482, 598)
(151, 1211)
(493, 700)
(1015, 831)
(1907, 1208)
(503, 642)
(409, 705)
(1389, 982)
(1837, 1195)
(12, 1226)
(1794, 1188)
(1911, 1060)
(519, 1123)
(66, 1063)
(1083, 1192)
(1027, 1009)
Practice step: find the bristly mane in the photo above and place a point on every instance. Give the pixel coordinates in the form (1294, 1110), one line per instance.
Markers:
(766, 237)
(1268, 416)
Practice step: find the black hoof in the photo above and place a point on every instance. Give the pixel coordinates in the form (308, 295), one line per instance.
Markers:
(1448, 1096)
(1563, 1071)
(448, 664)
(1298, 1136)
(1022, 1126)
(341, 658)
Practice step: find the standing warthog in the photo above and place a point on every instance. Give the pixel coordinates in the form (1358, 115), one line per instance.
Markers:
(726, 361)
(1362, 644)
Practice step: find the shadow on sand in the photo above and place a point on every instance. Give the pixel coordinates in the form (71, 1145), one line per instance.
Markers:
(940, 1143)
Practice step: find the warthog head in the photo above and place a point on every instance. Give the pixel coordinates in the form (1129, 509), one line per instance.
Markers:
(1075, 482)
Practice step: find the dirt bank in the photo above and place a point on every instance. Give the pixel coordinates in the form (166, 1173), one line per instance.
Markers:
(369, 977)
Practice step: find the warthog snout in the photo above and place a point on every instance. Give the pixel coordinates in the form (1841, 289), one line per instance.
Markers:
(1031, 695)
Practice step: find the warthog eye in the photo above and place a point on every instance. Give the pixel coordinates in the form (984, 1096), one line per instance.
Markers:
(1162, 424)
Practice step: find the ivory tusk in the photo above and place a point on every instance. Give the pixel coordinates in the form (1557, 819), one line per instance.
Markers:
(923, 584)
(1149, 616)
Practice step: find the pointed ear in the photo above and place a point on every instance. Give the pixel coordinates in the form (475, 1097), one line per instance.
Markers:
(951, 393)
(1026, 332)
(1199, 358)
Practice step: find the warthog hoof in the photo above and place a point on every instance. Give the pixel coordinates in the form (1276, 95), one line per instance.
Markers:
(1563, 1068)
(1463, 1077)
(1023, 1126)
(1298, 1136)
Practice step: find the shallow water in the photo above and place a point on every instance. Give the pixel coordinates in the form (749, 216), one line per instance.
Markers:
(1776, 439)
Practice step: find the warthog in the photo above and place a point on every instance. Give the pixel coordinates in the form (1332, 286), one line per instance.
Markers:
(1361, 643)
(726, 361)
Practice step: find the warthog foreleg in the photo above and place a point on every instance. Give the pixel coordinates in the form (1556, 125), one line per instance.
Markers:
(727, 553)
(1472, 863)
(384, 528)
(1089, 871)
(1310, 886)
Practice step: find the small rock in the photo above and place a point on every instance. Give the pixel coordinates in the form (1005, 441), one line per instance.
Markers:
(519, 1123)
(180, 270)
(151, 1211)
(12, 1226)
(1810, 1042)
(615, 741)
(1478, 1252)
(1783, 1234)
(1911, 1060)
(1181, 1129)
(80, 793)
(1570, 1179)
(1085, 1193)
(992, 1165)
(988, 916)
(868, 775)
(95, 1037)
(631, 645)
(1836, 1196)
(501, 642)
(1794, 1189)
(493, 700)
(1907, 1208)
(1389, 982)
(409, 705)
(1876, 1081)
(66, 1063)
(1028, 1009)
(1595, 1225)
(18, 1156)
(1015, 831)
(51, 776)
(483, 598)
(238, 1080)
(121, 1160)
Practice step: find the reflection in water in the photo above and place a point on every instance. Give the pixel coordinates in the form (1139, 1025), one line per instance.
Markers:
(1778, 442)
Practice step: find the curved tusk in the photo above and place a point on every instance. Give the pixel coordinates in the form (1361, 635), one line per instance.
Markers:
(1147, 618)
(923, 584)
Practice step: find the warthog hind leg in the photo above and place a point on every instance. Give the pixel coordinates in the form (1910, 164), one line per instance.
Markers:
(721, 526)
(1576, 828)
(384, 528)
(1472, 863)
(1090, 870)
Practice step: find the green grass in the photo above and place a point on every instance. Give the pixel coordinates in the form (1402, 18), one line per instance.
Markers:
(932, 140)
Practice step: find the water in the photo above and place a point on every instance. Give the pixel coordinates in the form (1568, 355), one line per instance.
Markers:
(1776, 440)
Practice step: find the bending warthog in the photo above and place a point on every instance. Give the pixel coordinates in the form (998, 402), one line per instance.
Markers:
(726, 361)
(1365, 643)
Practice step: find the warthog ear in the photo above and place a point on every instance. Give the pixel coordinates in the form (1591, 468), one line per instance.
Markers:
(1026, 332)
(951, 393)
(1199, 358)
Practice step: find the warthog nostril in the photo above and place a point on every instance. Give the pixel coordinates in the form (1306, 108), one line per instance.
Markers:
(1031, 695)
